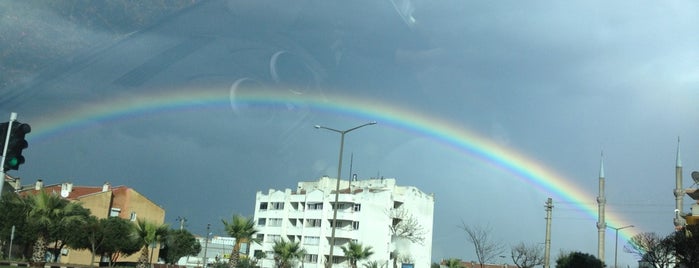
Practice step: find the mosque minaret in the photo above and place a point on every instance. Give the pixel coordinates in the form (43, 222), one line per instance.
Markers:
(601, 223)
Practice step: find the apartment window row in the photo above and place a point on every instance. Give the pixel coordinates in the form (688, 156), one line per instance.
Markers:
(271, 238)
(345, 224)
(309, 206)
(313, 222)
(312, 258)
(311, 240)
(355, 207)
(314, 206)
(272, 222)
(271, 206)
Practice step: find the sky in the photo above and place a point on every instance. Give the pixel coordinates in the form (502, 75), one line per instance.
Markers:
(491, 106)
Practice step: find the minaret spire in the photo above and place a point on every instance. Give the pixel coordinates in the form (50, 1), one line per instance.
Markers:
(601, 201)
(679, 193)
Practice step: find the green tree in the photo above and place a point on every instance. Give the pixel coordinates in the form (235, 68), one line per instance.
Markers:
(578, 260)
(115, 243)
(286, 252)
(68, 228)
(355, 252)
(243, 230)
(13, 212)
(652, 249)
(377, 264)
(685, 245)
(452, 263)
(48, 212)
(148, 234)
(90, 236)
(179, 243)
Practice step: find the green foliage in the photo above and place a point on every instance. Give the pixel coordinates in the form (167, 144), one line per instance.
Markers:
(286, 252)
(50, 214)
(13, 212)
(243, 230)
(179, 243)
(354, 252)
(377, 264)
(686, 245)
(452, 263)
(148, 234)
(578, 260)
(108, 237)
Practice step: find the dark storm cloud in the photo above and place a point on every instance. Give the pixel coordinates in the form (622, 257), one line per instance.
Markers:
(557, 82)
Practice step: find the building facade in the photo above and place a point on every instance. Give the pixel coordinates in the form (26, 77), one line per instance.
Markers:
(102, 201)
(214, 249)
(371, 212)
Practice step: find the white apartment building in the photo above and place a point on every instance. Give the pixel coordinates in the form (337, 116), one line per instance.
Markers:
(367, 209)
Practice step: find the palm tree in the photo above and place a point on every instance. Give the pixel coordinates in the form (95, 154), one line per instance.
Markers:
(356, 252)
(148, 233)
(374, 264)
(243, 230)
(48, 212)
(286, 252)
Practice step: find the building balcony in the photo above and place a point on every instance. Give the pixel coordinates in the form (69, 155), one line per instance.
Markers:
(347, 214)
(312, 214)
(344, 232)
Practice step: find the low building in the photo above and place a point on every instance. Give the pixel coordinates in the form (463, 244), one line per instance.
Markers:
(102, 201)
(366, 211)
(216, 250)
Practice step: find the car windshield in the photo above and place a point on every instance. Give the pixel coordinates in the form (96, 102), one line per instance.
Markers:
(562, 126)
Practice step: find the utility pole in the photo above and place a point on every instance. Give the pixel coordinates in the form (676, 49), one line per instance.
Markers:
(547, 242)
(182, 220)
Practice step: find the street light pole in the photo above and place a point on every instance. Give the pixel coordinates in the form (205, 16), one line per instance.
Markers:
(337, 187)
(206, 244)
(616, 242)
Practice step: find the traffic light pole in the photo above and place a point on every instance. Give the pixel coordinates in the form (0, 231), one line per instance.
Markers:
(13, 117)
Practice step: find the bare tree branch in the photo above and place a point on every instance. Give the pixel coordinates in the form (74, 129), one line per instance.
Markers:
(406, 226)
(486, 250)
(651, 248)
(527, 256)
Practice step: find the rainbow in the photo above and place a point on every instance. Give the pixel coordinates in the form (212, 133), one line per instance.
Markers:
(422, 124)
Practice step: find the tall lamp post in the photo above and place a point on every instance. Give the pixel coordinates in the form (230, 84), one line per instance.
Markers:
(616, 242)
(206, 243)
(337, 187)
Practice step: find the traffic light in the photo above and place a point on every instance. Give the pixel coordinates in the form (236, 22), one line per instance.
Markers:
(17, 143)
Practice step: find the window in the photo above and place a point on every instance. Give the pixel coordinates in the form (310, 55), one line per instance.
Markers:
(311, 240)
(357, 207)
(313, 222)
(133, 216)
(355, 225)
(310, 258)
(271, 238)
(261, 222)
(277, 205)
(114, 212)
(275, 222)
(263, 206)
(314, 206)
(260, 237)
